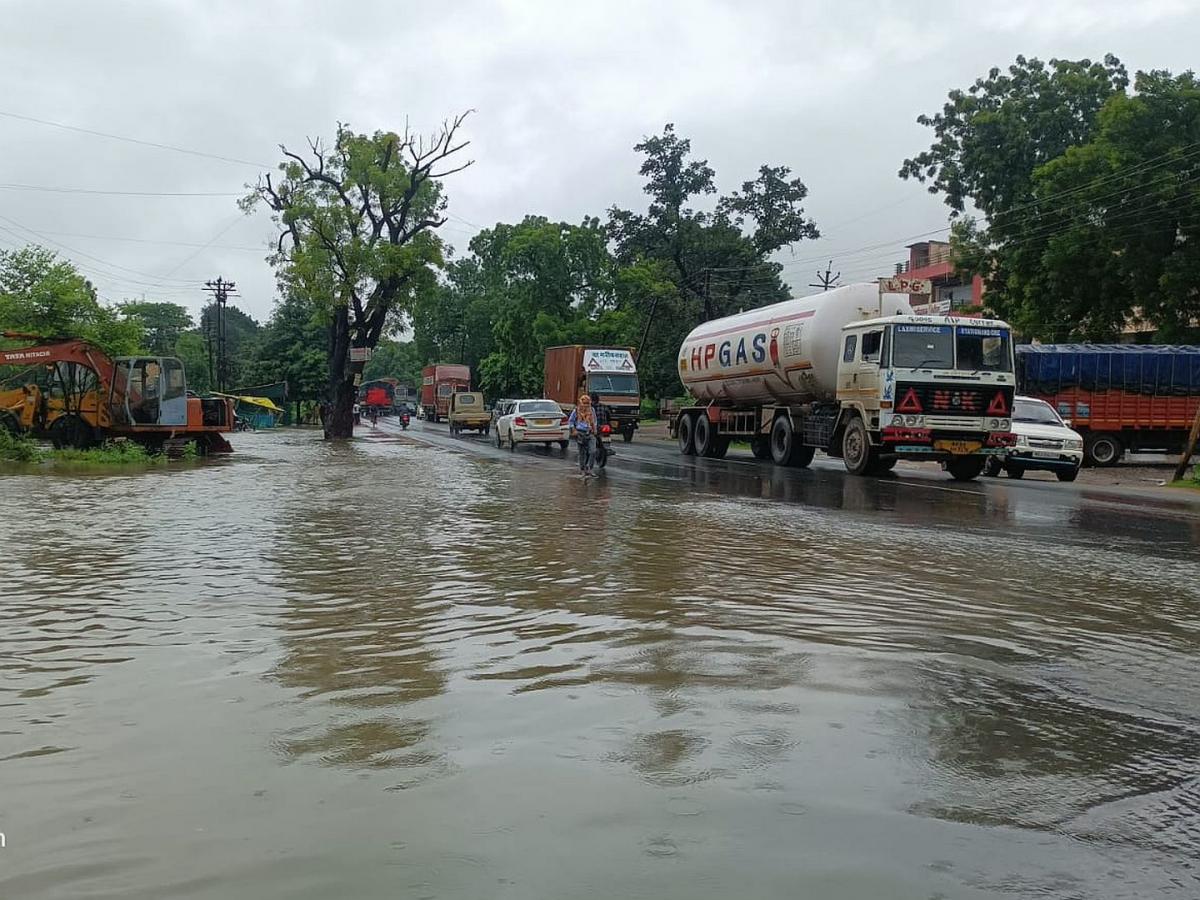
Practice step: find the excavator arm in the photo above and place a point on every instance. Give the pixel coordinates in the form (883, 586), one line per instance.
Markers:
(54, 350)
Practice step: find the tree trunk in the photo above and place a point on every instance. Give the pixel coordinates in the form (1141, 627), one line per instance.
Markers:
(339, 423)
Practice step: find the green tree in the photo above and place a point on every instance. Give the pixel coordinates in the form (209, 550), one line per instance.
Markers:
(163, 323)
(1086, 193)
(242, 334)
(44, 295)
(357, 236)
(718, 261)
(395, 359)
(192, 351)
(292, 348)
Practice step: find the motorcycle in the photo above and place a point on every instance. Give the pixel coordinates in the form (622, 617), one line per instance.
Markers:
(604, 446)
(404, 421)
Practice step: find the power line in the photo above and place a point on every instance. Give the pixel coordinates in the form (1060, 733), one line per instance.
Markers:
(131, 240)
(63, 190)
(130, 140)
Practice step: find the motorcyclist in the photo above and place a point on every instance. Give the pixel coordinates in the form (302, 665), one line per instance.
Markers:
(603, 417)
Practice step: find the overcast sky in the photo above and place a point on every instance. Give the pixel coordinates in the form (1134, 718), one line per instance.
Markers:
(562, 91)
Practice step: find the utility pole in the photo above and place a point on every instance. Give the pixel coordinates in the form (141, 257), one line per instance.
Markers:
(221, 289)
(826, 281)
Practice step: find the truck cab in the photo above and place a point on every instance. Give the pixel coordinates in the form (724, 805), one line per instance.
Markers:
(925, 387)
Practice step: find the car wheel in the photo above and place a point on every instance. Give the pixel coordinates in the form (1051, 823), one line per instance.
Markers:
(512, 441)
(499, 440)
(857, 452)
(1068, 476)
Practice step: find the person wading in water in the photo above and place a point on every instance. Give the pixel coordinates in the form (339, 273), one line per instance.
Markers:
(583, 423)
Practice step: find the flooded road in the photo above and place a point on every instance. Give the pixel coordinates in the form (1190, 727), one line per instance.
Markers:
(389, 669)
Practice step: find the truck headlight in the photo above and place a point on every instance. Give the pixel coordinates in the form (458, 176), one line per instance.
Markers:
(1005, 425)
(1022, 441)
(1072, 445)
(897, 421)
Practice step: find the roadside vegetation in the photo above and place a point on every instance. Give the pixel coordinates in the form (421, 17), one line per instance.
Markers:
(120, 453)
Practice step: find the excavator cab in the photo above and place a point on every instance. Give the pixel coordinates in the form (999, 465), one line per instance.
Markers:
(149, 390)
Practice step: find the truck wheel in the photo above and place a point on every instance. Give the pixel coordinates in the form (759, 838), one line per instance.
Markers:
(9, 423)
(720, 448)
(883, 465)
(627, 434)
(802, 455)
(706, 435)
(1103, 449)
(965, 468)
(687, 434)
(857, 452)
(993, 466)
(71, 431)
(783, 438)
(760, 446)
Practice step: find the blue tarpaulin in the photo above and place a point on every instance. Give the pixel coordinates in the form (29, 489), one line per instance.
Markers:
(1158, 369)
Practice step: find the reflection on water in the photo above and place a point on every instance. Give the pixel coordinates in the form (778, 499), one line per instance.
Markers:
(386, 669)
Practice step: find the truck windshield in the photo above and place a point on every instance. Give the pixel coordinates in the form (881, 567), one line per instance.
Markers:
(923, 347)
(613, 383)
(984, 349)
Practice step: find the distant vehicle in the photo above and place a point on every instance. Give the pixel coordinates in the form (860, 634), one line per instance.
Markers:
(499, 408)
(852, 372)
(379, 395)
(610, 372)
(1120, 397)
(1044, 443)
(465, 412)
(438, 382)
(532, 422)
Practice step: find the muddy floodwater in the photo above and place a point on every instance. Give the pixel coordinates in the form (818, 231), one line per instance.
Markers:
(387, 669)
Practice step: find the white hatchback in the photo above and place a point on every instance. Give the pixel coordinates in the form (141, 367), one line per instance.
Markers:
(1043, 442)
(532, 422)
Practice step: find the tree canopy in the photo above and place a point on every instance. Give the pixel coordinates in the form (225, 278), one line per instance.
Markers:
(44, 295)
(357, 237)
(1090, 210)
(162, 323)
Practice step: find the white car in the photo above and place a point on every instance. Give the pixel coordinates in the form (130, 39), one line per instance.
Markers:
(532, 422)
(1043, 442)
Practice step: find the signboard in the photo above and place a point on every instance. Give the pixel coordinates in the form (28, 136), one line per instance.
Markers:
(608, 361)
(902, 284)
(360, 354)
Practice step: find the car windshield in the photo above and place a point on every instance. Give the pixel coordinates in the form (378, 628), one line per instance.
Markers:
(984, 349)
(1035, 412)
(923, 347)
(539, 407)
(613, 383)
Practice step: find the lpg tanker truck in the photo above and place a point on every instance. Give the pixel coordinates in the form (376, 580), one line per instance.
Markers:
(852, 372)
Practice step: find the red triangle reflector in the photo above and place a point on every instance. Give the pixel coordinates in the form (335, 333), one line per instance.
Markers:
(999, 405)
(910, 403)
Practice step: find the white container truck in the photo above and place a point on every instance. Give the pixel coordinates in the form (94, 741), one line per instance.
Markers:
(852, 372)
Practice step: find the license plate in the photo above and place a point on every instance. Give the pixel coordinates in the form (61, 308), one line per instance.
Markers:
(958, 448)
(1046, 454)
(543, 421)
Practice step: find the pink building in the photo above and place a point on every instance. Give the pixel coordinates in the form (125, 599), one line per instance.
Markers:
(952, 292)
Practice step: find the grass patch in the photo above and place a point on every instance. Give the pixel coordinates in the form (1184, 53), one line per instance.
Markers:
(19, 449)
(1189, 483)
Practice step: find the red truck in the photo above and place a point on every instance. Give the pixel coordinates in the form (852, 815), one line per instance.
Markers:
(438, 382)
(1119, 397)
